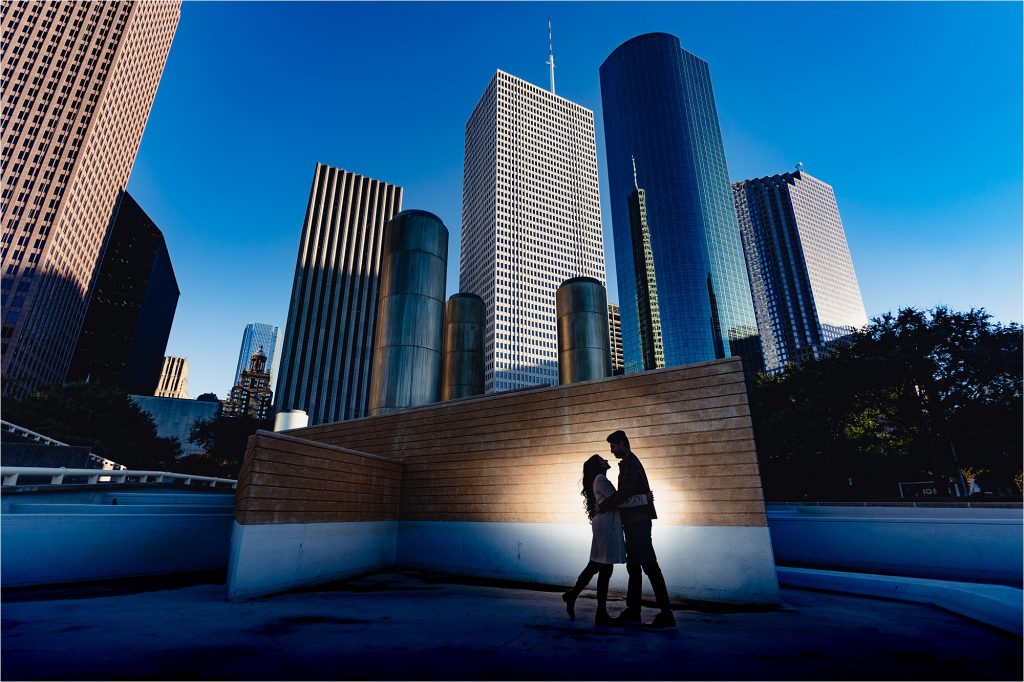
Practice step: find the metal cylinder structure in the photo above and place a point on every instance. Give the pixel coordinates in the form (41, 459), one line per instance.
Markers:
(290, 419)
(584, 349)
(408, 342)
(464, 327)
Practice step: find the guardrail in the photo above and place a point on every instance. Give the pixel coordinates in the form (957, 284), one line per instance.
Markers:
(21, 431)
(57, 475)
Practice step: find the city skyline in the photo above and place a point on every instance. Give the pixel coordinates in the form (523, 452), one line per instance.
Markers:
(883, 103)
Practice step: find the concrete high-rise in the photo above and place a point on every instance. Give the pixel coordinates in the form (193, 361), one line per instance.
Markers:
(678, 256)
(327, 353)
(259, 335)
(124, 334)
(173, 378)
(531, 219)
(79, 82)
(802, 279)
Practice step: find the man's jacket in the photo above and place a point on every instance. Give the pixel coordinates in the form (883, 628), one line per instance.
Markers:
(632, 481)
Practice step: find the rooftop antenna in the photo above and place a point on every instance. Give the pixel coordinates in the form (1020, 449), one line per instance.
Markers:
(635, 183)
(799, 166)
(551, 57)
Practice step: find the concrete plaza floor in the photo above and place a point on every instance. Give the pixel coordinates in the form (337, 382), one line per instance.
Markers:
(409, 625)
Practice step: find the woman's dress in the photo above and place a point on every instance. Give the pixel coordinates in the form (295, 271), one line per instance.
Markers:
(607, 546)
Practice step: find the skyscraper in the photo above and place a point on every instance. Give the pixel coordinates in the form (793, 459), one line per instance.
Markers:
(328, 343)
(531, 219)
(79, 81)
(173, 378)
(124, 335)
(678, 255)
(801, 274)
(259, 335)
(251, 395)
(615, 337)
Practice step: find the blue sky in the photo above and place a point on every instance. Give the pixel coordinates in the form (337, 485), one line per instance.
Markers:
(912, 112)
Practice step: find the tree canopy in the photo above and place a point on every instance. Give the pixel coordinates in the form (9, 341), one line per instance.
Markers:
(919, 395)
(102, 418)
(224, 439)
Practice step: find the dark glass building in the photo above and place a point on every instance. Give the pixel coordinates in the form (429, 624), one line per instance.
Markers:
(670, 197)
(131, 309)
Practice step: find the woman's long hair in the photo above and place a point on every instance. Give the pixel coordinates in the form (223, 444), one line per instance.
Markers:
(591, 469)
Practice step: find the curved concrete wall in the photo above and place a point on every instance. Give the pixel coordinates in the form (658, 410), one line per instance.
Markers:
(965, 544)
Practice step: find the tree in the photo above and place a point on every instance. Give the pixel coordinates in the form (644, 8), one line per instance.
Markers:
(225, 438)
(914, 394)
(102, 418)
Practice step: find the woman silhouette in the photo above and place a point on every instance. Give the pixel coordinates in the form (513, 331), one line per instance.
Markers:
(607, 547)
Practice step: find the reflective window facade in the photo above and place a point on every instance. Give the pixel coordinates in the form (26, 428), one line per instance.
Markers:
(805, 290)
(659, 109)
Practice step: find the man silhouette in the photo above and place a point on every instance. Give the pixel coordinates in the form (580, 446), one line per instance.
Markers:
(636, 527)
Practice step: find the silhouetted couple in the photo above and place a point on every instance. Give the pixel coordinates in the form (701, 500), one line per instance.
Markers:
(621, 524)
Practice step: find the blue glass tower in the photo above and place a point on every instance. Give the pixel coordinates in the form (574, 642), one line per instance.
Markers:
(676, 203)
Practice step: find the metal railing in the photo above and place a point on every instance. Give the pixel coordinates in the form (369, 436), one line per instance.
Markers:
(21, 431)
(57, 475)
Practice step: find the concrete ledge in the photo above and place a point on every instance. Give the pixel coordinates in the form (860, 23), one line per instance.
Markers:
(269, 558)
(996, 605)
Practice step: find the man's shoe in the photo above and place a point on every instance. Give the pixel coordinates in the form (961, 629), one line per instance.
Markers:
(602, 618)
(626, 617)
(570, 603)
(663, 621)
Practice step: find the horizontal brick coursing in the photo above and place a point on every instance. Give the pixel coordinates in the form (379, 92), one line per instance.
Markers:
(518, 456)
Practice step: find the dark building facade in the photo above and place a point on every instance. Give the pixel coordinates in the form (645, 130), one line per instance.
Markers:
(251, 395)
(678, 254)
(124, 334)
(804, 287)
(328, 341)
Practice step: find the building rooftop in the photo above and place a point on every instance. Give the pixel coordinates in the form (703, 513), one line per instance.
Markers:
(413, 625)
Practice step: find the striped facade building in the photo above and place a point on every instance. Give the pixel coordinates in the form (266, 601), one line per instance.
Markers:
(173, 378)
(327, 353)
(79, 80)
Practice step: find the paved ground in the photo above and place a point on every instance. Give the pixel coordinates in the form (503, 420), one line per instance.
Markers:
(418, 626)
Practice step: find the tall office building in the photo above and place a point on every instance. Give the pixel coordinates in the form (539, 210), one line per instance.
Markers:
(328, 342)
(124, 335)
(531, 219)
(615, 338)
(678, 254)
(804, 287)
(251, 395)
(173, 378)
(79, 79)
(259, 335)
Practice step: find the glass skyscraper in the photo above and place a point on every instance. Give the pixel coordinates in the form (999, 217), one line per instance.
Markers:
(805, 290)
(670, 196)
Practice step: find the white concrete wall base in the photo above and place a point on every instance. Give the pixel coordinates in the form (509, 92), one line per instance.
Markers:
(996, 605)
(276, 557)
(727, 564)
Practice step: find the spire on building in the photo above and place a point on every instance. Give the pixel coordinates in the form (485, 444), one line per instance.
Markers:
(551, 57)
